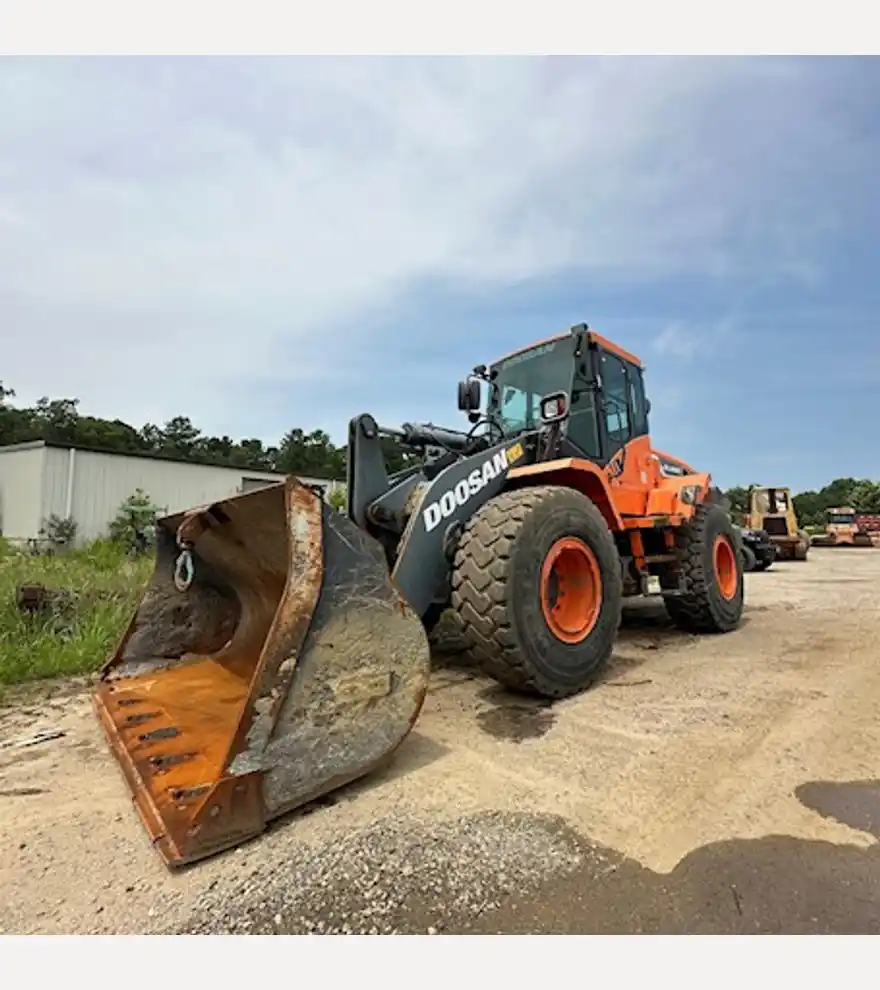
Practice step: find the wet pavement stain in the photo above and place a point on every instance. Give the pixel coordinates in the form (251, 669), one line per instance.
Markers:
(618, 673)
(621, 663)
(554, 880)
(512, 718)
(646, 625)
(855, 803)
(773, 885)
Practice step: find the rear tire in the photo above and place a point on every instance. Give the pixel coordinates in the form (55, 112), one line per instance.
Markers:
(537, 585)
(802, 547)
(763, 565)
(711, 572)
(750, 561)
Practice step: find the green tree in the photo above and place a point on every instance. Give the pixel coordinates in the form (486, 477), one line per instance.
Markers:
(861, 494)
(134, 517)
(809, 508)
(251, 453)
(57, 419)
(312, 454)
(396, 458)
(338, 499)
(180, 437)
(739, 502)
(16, 425)
(866, 496)
(217, 450)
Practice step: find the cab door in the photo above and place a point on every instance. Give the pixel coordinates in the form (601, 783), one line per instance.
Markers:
(623, 423)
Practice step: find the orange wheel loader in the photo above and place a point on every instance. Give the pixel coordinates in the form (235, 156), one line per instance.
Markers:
(281, 648)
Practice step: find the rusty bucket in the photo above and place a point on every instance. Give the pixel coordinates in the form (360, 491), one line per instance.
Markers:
(269, 662)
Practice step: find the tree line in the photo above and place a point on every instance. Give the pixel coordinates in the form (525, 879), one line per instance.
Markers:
(860, 494)
(310, 454)
(59, 421)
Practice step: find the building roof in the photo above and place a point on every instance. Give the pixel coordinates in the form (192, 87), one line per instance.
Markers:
(142, 454)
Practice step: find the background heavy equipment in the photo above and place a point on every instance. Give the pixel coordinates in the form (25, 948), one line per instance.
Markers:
(772, 509)
(281, 651)
(758, 550)
(843, 529)
(870, 523)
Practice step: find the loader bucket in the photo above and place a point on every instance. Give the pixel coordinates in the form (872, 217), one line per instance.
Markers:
(288, 667)
(843, 540)
(823, 540)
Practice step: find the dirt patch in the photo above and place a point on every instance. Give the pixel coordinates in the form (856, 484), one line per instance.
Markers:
(731, 786)
(514, 718)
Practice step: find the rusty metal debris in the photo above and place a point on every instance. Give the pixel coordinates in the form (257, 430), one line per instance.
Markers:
(44, 735)
(36, 599)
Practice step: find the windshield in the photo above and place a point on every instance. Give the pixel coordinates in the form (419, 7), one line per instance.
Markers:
(522, 380)
(771, 501)
(841, 518)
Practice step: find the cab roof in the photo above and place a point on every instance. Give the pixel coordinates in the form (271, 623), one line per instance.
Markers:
(594, 337)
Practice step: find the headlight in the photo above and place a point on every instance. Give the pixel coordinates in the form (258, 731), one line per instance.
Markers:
(689, 494)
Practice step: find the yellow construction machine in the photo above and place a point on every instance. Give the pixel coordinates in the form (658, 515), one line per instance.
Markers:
(281, 648)
(772, 509)
(843, 529)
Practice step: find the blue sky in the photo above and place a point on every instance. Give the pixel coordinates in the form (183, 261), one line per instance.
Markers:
(269, 243)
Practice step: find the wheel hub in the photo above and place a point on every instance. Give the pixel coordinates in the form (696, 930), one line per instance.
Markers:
(571, 590)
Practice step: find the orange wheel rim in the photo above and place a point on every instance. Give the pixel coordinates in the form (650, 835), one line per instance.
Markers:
(724, 564)
(571, 590)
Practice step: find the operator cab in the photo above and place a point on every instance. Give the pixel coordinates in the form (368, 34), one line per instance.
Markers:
(580, 378)
(841, 517)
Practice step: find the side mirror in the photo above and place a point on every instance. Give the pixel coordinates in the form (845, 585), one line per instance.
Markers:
(647, 407)
(469, 395)
(554, 407)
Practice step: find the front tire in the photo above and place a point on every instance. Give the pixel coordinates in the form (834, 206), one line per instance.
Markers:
(537, 585)
(750, 561)
(711, 573)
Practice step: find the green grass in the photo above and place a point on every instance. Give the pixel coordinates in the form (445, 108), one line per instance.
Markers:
(77, 638)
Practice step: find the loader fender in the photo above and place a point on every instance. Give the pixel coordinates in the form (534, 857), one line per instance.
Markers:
(422, 569)
(572, 472)
(288, 667)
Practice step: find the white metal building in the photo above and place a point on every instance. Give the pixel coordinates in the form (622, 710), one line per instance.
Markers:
(41, 479)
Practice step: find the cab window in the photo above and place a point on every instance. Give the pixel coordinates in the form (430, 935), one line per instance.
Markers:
(615, 401)
(638, 403)
(583, 423)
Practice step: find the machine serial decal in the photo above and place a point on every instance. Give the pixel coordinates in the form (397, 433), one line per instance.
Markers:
(443, 507)
(527, 355)
(670, 469)
(617, 464)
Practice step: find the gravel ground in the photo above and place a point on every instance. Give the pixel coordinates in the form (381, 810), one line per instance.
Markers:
(699, 787)
(393, 877)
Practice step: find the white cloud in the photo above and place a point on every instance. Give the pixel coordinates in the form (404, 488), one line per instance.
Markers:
(173, 230)
(685, 341)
